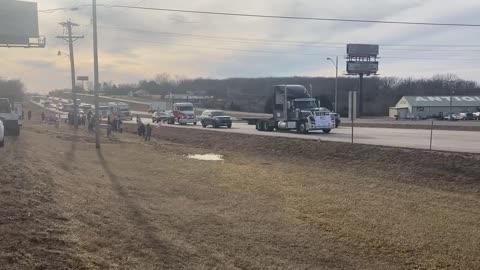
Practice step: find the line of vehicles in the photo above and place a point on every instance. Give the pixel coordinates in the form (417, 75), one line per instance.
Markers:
(462, 116)
(293, 109)
(119, 109)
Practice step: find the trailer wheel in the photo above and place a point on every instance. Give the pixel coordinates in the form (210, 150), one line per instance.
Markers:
(326, 131)
(260, 126)
(302, 128)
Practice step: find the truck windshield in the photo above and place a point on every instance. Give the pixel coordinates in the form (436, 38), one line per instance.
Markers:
(185, 108)
(218, 113)
(305, 104)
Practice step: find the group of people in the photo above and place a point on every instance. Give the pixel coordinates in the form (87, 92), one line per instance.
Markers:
(144, 131)
(116, 124)
(82, 119)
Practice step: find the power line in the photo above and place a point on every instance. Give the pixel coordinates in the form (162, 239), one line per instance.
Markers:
(295, 17)
(272, 16)
(292, 53)
(224, 48)
(280, 42)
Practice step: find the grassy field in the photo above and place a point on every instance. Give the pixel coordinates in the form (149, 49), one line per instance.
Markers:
(137, 205)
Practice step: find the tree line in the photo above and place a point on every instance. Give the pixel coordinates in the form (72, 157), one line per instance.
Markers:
(12, 89)
(254, 94)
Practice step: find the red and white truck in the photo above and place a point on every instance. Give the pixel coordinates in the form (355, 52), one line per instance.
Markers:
(183, 113)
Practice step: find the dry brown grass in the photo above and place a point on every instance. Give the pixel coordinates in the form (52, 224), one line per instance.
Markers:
(146, 206)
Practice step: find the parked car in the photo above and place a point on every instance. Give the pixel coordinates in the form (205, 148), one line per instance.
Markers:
(453, 117)
(2, 134)
(468, 116)
(158, 117)
(215, 119)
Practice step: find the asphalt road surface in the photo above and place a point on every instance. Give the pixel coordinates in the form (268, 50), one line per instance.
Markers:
(443, 140)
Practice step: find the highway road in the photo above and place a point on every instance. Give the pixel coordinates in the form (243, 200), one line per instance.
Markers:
(443, 140)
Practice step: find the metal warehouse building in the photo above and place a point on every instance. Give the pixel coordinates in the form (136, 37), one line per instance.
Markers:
(425, 106)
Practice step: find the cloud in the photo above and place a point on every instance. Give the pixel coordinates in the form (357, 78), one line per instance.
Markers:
(130, 51)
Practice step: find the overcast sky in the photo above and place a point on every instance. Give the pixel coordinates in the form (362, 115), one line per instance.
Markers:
(136, 44)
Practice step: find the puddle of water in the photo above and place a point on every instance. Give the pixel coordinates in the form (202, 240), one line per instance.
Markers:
(209, 157)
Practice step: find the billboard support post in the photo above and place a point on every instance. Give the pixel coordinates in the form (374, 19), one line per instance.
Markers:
(352, 108)
(360, 96)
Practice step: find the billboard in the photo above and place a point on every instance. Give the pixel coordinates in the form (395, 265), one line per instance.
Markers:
(18, 22)
(362, 67)
(362, 50)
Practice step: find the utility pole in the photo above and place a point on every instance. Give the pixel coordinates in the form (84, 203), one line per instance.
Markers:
(70, 38)
(336, 80)
(451, 102)
(96, 83)
(336, 84)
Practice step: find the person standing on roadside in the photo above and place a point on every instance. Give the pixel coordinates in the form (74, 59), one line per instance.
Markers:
(23, 115)
(120, 125)
(29, 115)
(148, 132)
(43, 116)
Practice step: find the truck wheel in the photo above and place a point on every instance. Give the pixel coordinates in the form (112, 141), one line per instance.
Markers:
(203, 124)
(326, 131)
(194, 123)
(260, 126)
(266, 126)
(302, 128)
(229, 126)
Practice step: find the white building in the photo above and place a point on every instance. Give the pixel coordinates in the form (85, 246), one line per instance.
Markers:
(409, 107)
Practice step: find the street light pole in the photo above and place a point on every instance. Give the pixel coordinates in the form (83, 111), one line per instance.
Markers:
(336, 79)
(95, 71)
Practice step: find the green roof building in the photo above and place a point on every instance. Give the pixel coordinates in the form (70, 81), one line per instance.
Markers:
(414, 107)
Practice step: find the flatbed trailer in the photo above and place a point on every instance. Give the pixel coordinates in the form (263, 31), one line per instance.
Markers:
(294, 109)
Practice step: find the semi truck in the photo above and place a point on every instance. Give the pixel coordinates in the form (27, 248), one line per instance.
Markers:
(183, 113)
(295, 109)
(10, 119)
